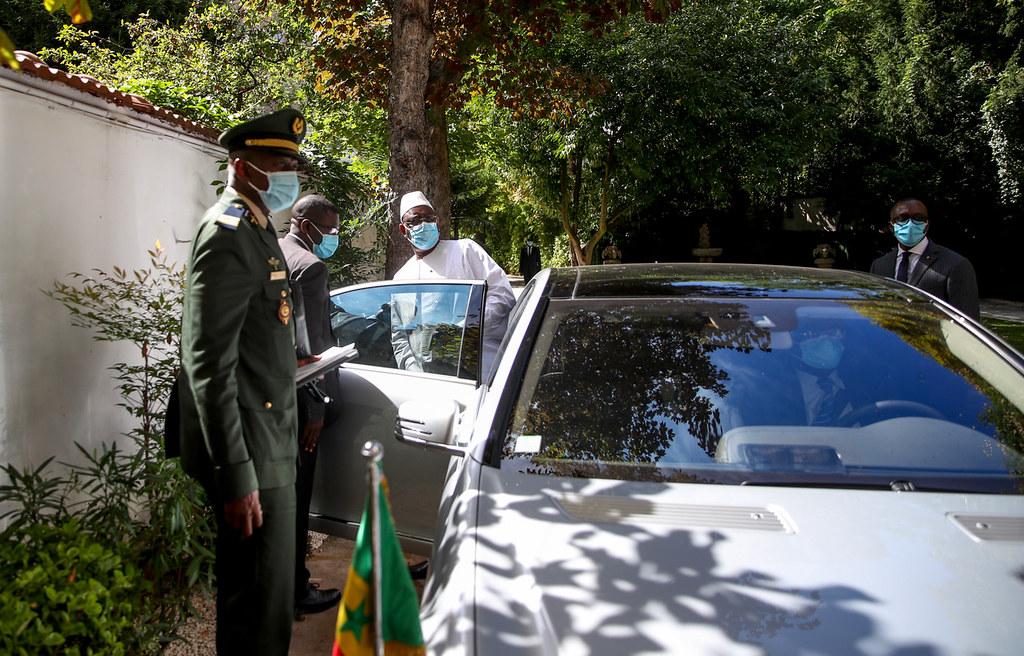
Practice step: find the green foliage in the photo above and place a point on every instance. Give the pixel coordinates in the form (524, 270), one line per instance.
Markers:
(67, 592)
(363, 234)
(131, 502)
(928, 93)
(231, 60)
(1004, 122)
(32, 27)
(728, 109)
(1011, 331)
(240, 61)
(34, 497)
(185, 100)
(711, 107)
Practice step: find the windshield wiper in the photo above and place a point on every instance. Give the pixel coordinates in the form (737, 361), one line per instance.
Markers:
(957, 484)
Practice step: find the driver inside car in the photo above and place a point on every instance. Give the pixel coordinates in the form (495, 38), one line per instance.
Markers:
(802, 380)
(819, 349)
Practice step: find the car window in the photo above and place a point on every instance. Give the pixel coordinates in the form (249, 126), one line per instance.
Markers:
(416, 326)
(774, 390)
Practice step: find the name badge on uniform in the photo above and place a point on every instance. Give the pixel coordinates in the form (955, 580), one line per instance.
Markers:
(278, 275)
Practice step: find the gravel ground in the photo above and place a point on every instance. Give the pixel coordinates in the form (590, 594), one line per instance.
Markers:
(199, 634)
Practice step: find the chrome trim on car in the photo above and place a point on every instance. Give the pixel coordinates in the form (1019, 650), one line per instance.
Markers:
(427, 444)
(990, 528)
(608, 509)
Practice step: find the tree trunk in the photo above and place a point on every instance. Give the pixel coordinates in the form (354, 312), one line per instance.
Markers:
(575, 254)
(439, 189)
(410, 142)
(582, 254)
(602, 222)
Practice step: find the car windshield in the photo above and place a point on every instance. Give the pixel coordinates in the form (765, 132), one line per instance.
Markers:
(843, 393)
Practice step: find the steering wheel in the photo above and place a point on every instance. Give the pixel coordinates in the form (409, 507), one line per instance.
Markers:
(887, 409)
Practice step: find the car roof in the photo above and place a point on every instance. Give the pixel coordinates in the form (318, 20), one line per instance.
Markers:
(721, 280)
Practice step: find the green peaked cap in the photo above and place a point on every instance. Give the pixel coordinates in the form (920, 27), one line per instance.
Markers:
(280, 132)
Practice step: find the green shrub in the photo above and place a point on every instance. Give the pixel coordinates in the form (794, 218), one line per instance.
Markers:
(64, 592)
(129, 513)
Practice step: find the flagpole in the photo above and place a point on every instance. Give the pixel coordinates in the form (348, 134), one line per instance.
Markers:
(373, 452)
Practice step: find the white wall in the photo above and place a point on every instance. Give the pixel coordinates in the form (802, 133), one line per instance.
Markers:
(83, 185)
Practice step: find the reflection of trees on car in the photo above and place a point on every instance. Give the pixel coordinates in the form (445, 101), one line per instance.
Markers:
(1009, 424)
(618, 383)
(923, 332)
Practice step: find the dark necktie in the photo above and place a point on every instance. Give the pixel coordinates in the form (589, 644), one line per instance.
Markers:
(903, 270)
(830, 406)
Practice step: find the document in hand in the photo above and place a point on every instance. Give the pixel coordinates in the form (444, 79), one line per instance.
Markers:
(329, 360)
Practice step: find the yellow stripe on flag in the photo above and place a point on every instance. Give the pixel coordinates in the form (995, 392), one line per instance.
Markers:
(353, 634)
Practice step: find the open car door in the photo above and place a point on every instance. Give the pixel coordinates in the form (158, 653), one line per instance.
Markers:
(417, 340)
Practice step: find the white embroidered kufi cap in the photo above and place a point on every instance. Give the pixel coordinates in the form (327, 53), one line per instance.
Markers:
(411, 200)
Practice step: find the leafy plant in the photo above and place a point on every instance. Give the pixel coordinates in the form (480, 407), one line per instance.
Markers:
(67, 592)
(32, 496)
(130, 503)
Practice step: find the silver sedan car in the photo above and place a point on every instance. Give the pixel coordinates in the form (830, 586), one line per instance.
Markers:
(705, 459)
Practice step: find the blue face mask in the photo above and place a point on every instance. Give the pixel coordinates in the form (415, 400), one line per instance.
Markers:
(822, 352)
(328, 244)
(282, 189)
(910, 232)
(424, 236)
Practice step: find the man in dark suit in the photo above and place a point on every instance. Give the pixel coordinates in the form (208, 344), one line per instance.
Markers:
(529, 259)
(923, 263)
(237, 388)
(312, 238)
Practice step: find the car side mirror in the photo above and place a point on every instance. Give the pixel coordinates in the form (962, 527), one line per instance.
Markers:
(430, 424)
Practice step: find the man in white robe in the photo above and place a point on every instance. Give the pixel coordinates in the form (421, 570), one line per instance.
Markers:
(453, 259)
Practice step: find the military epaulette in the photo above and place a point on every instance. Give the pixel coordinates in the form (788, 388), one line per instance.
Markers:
(231, 217)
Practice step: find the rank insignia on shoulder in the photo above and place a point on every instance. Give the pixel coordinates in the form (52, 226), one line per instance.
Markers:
(229, 222)
(231, 217)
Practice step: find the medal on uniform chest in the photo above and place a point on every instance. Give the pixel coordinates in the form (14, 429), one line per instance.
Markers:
(284, 312)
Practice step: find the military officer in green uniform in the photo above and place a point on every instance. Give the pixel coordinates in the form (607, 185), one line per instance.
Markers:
(238, 413)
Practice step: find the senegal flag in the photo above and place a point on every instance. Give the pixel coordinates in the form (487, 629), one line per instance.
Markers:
(353, 634)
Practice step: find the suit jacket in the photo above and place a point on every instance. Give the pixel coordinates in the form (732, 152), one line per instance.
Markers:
(308, 276)
(529, 261)
(308, 272)
(941, 272)
(237, 388)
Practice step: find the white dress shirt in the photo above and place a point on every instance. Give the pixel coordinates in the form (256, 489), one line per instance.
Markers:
(914, 254)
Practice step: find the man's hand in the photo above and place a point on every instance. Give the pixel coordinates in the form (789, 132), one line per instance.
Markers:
(302, 362)
(310, 435)
(244, 514)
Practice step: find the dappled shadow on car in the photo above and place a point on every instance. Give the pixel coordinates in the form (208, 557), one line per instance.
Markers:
(625, 587)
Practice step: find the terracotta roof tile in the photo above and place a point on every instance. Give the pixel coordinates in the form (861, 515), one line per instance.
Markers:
(32, 65)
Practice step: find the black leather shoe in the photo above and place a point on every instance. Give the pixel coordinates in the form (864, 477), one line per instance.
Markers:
(419, 570)
(317, 600)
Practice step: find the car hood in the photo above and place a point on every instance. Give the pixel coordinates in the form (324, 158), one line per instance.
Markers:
(578, 566)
